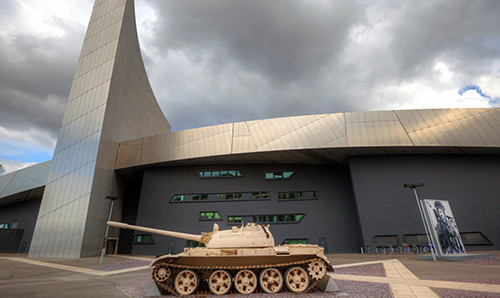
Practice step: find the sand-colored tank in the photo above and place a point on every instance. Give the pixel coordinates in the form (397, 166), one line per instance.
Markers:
(243, 259)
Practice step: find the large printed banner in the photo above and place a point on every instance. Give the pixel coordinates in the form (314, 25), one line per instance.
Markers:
(443, 227)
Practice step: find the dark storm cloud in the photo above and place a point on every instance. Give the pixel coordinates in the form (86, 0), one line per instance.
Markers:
(283, 40)
(462, 33)
(212, 62)
(306, 58)
(35, 79)
(287, 45)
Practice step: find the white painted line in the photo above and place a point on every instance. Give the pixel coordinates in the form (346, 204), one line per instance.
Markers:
(74, 268)
(466, 286)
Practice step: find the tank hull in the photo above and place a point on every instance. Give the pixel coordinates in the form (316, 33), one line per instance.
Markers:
(244, 257)
(295, 268)
(236, 261)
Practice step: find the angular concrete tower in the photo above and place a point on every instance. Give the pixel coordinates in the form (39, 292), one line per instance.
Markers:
(110, 101)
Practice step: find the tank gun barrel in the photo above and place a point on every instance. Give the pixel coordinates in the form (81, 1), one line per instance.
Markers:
(155, 231)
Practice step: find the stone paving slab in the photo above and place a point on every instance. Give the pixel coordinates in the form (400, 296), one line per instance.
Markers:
(403, 275)
(394, 268)
(421, 282)
(74, 268)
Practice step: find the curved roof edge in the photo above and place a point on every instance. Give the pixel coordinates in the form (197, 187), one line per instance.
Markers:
(21, 185)
(469, 130)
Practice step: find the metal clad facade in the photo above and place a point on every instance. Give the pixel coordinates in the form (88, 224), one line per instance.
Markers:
(409, 130)
(110, 89)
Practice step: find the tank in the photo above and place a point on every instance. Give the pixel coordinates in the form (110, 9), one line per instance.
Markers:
(240, 260)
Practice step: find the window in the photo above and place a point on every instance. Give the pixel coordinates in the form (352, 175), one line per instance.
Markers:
(416, 239)
(234, 219)
(192, 243)
(297, 195)
(219, 174)
(4, 225)
(202, 197)
(295, 241)
(209, 215)
(232, 196)
(475, 238)
(386, 240)
(260, 195)
(229, 196)
(177, 198)
(143, 239)
(278, 175)
(268, 219)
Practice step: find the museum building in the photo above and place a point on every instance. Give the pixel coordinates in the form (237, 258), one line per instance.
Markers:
(332, 179)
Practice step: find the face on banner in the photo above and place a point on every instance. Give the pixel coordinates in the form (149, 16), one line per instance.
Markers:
(443, 227)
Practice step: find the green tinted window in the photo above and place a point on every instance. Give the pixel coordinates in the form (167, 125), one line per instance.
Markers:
(143, 239)
(192, 243)
(297, 195)
(234, 219)
(177, 198)
(278, 175)
(219, 196)
(267, 219)
(200, 197)
(295, 241)
(219, 173)
(209, 215)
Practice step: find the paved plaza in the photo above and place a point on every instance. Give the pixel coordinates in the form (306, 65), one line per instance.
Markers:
(356, 275)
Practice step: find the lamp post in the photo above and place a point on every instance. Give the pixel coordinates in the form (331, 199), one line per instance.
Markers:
(414, 187)
(107, 227)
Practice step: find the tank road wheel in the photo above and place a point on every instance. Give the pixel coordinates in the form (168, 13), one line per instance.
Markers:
(161, 272)
(317, 269)
(186, 282)
(220, 282)
(296, 279)
(245, 281)
(271, 280)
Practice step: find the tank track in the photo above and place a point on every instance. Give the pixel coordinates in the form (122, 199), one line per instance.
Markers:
(168, 286)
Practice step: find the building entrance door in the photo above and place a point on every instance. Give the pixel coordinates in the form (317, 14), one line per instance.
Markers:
(111, 246)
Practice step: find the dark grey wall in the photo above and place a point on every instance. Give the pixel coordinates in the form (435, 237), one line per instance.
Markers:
(25, 214)
(333, 215)
(469, 183)
(131, 196)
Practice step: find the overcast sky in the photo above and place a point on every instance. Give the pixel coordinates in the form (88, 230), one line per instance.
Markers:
(213, 62)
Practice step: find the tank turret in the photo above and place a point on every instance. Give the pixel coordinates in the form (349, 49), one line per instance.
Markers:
(249, 236)
(236, 260)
